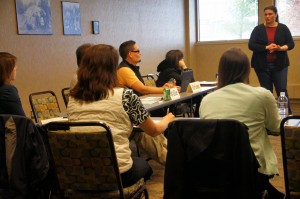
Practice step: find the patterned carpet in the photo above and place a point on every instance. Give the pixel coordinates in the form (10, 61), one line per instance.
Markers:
(155, 185)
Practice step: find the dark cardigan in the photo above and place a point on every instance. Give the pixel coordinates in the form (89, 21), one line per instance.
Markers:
(259, 40)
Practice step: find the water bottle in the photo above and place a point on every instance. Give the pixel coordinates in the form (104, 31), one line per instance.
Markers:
(282, 103)
(172, 82)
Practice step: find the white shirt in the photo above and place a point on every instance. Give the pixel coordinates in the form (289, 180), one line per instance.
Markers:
(112, 112)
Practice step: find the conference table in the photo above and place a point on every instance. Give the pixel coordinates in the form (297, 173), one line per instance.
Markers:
(154, 101)
(151, 102)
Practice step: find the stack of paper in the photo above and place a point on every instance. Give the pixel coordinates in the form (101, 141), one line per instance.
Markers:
(150, 100)
(55, 119)
(208, 83)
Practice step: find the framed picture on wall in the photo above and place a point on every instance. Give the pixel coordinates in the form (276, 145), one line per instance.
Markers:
(34, 17)
(71, 18)
(95, 25)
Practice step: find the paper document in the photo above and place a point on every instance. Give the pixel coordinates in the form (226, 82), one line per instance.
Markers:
(208, 83)
(55, 119)
(293, 122)
(150, 100)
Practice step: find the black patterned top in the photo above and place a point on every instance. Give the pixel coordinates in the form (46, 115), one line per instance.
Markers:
(134, 107)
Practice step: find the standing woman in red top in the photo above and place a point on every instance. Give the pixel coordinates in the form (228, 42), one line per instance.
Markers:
(270, 42)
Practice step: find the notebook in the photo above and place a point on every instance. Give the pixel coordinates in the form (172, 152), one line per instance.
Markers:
(186, 78)
(208, 83)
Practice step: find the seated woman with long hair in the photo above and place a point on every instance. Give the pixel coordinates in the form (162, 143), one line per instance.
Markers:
(95, 97)
(253, 106)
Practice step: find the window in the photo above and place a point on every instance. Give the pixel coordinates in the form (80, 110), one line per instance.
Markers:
(226, 20)
(289, 14)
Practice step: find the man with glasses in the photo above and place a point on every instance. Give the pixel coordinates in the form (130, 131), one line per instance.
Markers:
(129, 76)
(129, 73)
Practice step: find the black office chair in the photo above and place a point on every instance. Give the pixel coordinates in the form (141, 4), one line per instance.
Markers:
(149, 80)
(154, 75)
(210, 159)
(65, 92)
(290, 143)
(86, 164)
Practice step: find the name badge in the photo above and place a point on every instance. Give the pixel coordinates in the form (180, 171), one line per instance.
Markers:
(174, 94)
(194, 87)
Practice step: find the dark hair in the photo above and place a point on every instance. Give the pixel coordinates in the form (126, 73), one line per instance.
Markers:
(7, 64)
(80, 52)
(234, 67)
(274, 9)
(97, 74)
(125, 48)
(173, 57)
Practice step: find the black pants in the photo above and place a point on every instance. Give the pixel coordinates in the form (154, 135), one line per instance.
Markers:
(277, 78)
(140, 169)
(264, 184)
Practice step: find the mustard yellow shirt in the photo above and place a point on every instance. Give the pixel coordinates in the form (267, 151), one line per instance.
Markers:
(126, 77)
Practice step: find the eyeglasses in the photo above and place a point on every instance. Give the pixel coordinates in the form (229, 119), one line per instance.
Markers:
(135, 51)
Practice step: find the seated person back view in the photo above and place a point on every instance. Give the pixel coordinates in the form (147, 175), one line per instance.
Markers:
(79, 54)
(253, 106)
(129, 73)
(10, 102)
(171, 67)
(96, 97)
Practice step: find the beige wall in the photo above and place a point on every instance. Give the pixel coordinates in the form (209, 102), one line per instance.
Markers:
(208, 54)
(47, 62)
